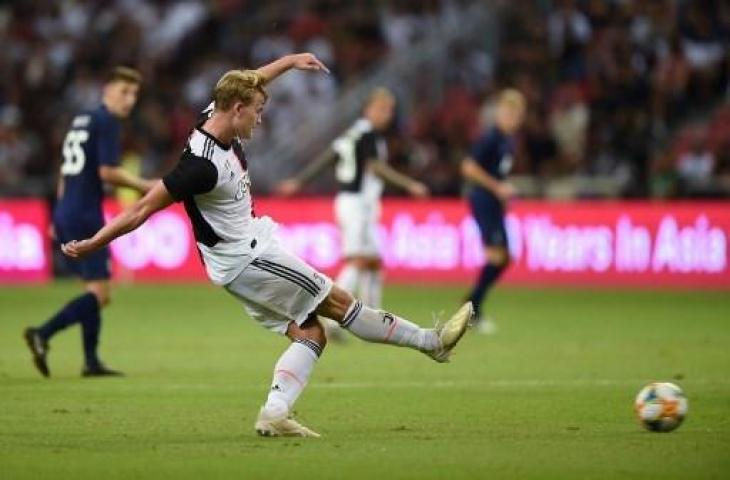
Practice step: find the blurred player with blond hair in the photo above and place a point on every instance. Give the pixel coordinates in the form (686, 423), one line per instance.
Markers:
(485, 169)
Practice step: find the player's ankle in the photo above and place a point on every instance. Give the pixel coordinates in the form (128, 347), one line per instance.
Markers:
(275, 407)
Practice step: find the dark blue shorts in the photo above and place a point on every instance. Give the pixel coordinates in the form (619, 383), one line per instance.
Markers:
(489, 215)
(96, 266)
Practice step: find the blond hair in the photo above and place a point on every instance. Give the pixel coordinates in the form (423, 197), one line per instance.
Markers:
(238, 86)
(512, 98)
(123, 74)
(380, 93)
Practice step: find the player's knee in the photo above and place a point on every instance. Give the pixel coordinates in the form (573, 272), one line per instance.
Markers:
(103, 298)
(506, 260)
(374, 264)
(310, 330)
(499, 257)
(317, 334)
(101, 293)
(336, 304)
(361, 263)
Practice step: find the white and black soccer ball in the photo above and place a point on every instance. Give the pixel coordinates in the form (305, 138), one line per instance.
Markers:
(661, 407)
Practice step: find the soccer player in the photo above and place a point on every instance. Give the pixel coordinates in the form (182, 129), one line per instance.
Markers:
(90, 153)
(485, 169)
(241, 253)
(360, 156)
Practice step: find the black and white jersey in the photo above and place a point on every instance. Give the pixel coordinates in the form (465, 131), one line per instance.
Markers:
(212, 181)
(360, 144)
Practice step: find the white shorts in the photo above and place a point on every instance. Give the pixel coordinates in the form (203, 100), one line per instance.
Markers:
(358, 222)
(278, 288)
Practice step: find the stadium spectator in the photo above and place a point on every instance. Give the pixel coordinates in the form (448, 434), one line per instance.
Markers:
(15, 147)
(641, 68)
(696, 166)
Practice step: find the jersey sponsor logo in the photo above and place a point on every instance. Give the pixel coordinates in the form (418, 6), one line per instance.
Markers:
(244, 186)
(241, 190)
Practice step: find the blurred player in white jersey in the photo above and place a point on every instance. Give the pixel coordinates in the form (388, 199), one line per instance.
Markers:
(241, 253)
(360, 156)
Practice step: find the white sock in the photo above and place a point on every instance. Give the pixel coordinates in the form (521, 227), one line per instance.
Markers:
(349, 278)
(291, 375)
(383, 327)
(371, 288)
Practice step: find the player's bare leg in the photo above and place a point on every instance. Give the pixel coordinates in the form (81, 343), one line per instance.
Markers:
(349, 276)
(291, 375)
(371, 282)
(362, 277)
(350, 279)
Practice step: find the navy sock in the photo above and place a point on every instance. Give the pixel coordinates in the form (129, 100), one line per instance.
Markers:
(83, 309)
(90, 328)
(489, 274)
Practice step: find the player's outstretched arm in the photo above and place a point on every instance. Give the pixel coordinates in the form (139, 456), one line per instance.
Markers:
(390, 175)
(119, 177)
(292, 185)
(298, 61)
(473, 172)
(130, 219)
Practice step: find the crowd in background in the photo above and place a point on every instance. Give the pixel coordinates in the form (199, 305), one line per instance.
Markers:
(615, 88)
(55, 54)
(630, 90)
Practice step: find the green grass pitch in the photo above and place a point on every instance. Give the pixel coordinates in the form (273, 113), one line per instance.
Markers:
(549, 396)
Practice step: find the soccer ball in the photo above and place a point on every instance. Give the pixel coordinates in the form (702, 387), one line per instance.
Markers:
(661, 407)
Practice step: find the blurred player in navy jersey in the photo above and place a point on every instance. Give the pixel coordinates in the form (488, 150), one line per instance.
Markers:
(486, 169)
(90, 158)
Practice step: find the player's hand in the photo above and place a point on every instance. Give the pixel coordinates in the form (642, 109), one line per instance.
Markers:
(287, 188)
(505, 191)
(77, 248)
(307, 61)
(418, 190)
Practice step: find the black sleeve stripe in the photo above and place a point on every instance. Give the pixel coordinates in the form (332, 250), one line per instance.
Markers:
(193, 175)
(207, 149)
